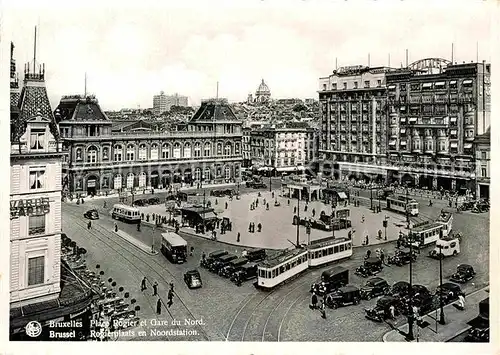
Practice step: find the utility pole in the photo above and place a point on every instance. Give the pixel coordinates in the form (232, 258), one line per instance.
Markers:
(410, 336)
(334, 206)
(441, 305)
(298, 217)
(371, 198)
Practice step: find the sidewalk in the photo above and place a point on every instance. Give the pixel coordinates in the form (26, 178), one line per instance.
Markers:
(456, 322)
(134, 241)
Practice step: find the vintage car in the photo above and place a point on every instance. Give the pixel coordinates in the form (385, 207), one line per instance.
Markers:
(331, 280)
(344, 296)
(212, 257)
(192, 279)
(448, 246)
(256, 184)
(400, 289)
(374, 287)
(256, 255)
(222, 192)
(245, 272)
(464, 273)
(233, 265)
(449, 291)
(91, 214)
(218, 264)
(382, 309)
(154, 201)
(402, 257)
(371, 267)
(421, 298)
(140, 202)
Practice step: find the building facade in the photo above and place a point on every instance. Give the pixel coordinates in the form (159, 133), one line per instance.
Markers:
(429, 113)
(103, 159)
(353, 125)
(283, 147)
(162, 103)
(483, 159)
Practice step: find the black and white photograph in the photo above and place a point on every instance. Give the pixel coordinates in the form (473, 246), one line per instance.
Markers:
(254, 171)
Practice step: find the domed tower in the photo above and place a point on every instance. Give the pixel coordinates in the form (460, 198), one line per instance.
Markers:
(263, 94)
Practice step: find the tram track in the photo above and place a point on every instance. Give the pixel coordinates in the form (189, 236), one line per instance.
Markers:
(149, 265)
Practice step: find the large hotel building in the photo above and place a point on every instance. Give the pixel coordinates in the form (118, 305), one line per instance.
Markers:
(415, 125)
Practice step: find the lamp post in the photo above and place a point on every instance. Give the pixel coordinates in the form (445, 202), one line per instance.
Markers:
(371, 198)
(334, 205)
(298, 215)
(441, 304)
(410, 336)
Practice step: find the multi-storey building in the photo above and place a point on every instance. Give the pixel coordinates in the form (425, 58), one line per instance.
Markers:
(483, 158)
(283, 147)
(100, 159)
(435, 110)
(246, 145)
(430, 113)
(353, 125)
(163, 103)
(36, 291)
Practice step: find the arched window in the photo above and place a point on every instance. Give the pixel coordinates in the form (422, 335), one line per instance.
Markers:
(237, 148)
(219, 148)
(197, 150)
(105, 153)
(118, 154)
(165, 151)
(142, 179)
(207, 175)
(227, 172)
(197, 174)
(228, 149)
(143, 152)
(154, 151)
(78, 154)
(130, 152)
(117, 182)
(206, 149)
(177, 150)
(130, 180)
(187, 150)
(92, 155)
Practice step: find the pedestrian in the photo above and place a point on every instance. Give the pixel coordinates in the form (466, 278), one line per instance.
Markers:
(349, 235)
(367, 241)
(305, 208)
(314, 301)
(272, 194)
(461, 302)
(116, 228)
(226, 205)
(363, 219)
(158, 306)
(192, 251)
(392, 312)
(323, 310)
(89, 225)
(382, 257)
(155, 289)
(295, 210)
(259, 227)
(238, 237)
(250, 227)
(104, 206)
(170, 298)
(314, 212)
(267, 206)
(143, 284)
(171, 286)
(289, 203)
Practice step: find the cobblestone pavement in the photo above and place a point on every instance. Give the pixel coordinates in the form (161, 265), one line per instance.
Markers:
(246, 314)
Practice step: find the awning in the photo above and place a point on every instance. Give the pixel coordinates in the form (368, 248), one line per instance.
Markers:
(467, 145)
(392, 143)
(427, 85)
(154, 175)
(342, 195)
(454, 145)
(289, 168)
(467, 82)
(264, 168)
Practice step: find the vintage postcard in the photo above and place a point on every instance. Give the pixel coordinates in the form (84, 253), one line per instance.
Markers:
(257, 171)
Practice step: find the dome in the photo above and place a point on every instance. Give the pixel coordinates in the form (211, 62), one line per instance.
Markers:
(263, 88)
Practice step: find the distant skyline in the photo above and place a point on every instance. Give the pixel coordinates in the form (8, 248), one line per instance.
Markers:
(131, 54)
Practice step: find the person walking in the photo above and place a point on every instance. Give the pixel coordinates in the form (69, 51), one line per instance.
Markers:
(323, 310)
(116, 228)
(382, 257)
(461, 302)
(392, 312)
(155, 289)
(89, 225)
(238, 237)
(158, 306)
(314, 301)
(143, 284)
(226, 205)
(192, 251)
(367, 241)
(170, 298)
(313, 212)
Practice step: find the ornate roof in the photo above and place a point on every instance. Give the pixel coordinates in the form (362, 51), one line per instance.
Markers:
(214, 110)
(79, 108)
(263, 89)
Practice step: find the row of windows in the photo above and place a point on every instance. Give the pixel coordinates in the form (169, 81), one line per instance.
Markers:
(329, 251)
(355, 85)
(166, 151)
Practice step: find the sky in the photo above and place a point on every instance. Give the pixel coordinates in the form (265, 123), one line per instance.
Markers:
(132, 51)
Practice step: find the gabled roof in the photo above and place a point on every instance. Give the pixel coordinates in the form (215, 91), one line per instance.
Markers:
(214, 110)
(79, 108)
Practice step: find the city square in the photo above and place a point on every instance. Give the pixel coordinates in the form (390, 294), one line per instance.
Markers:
(230, 190)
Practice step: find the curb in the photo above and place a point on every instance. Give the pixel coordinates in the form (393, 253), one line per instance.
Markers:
(137, 245)
(384, 337)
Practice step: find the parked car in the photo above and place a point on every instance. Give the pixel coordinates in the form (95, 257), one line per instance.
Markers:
(374, 287)
(233, 265)
(222, 192)
(331, 280)
(421, 298)
(464, 273)
(370, 267)
(212, 257)
(381, 311)
(218, 264)
(91, 214)
(192, 279)
(449, 291)
(344, 296)
(480, 331)
(154, 201)
(245, 272)
(256, 255)
(400, 289)
(140, 202)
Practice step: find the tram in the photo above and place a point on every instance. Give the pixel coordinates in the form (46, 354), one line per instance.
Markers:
(402, 204)
(288, 265)
(427, 234)
(446, 219)
(126, 213)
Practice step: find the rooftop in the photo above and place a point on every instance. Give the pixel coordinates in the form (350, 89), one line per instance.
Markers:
(282, 257)
(79, 108)
(214, 110)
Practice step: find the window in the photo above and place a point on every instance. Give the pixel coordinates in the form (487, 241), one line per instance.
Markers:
(483, 155)
(334, 86)
(428, 146)
(36, 225)
(219, 148)
(105, 182)
(379, 83)
(367, 83)
(37, 179)
(228, 149)
(143, 152)
(483, 172)
(130, 152)
(237, 148)
(118, 153)
(355, 84)
(177, 150)
(324, 86)
(154, 151)
(206, 150)
(36, 270)
(165, 151)
(345, 86)
(37, 138)
(78, 154)
(187, 150)
(92, 155)
(197, 150)
(105, 153)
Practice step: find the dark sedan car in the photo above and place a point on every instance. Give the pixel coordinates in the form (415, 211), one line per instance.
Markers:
(192, 279)
(400, 289)
(91, 214)
(449, 291)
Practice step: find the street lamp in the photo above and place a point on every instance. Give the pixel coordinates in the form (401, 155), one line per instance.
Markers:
(410, 336)
(441, 304)
(371, 198)
(334, 205)
(298, 215)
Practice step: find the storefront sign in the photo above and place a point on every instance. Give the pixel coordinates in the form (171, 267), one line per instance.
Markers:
(31, 207)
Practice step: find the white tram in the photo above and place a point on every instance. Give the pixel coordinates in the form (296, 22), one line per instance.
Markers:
(126, 213)
(402, 204)
(446, 219)
(428, 233)
(275, 271)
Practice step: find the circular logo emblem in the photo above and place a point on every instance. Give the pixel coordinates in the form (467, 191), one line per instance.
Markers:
(33, 329)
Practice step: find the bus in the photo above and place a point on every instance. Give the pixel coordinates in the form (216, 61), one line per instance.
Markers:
(126, 213)
(174, 247)
(402, 204)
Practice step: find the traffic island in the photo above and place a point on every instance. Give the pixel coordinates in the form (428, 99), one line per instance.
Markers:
(145, 248)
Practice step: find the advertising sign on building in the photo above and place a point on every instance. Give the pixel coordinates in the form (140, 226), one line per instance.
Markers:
(30, 207)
